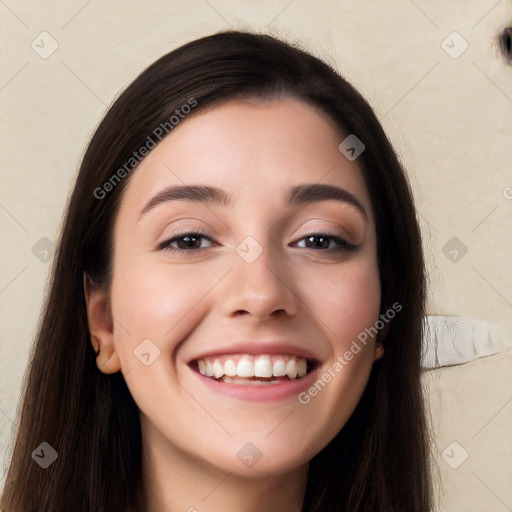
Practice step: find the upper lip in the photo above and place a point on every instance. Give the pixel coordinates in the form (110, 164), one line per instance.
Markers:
(260, 347)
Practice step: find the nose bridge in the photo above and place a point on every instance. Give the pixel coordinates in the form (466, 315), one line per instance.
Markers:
(258, 284)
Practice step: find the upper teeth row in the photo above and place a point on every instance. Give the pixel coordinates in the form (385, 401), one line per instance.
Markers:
(260, 367)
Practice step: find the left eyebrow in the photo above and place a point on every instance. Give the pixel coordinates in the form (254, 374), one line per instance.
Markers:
(305, 194)
(298, 195)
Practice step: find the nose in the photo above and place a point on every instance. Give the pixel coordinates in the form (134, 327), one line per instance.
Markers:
(261, 289)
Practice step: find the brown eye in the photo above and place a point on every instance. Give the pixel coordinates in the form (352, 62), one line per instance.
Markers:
(331, 244)
(317, 242)
(187, 242)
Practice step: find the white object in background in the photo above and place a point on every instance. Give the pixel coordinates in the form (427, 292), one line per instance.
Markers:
(453, 340)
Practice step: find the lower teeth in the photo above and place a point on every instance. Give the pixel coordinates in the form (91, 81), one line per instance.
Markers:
(252, 380)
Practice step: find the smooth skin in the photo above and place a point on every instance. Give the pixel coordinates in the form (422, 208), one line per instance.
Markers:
(208, 297)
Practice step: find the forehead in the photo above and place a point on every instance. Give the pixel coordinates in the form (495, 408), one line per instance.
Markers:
(253, 150)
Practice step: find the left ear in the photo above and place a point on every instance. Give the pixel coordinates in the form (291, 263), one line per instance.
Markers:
(379, 346)
(101, 326)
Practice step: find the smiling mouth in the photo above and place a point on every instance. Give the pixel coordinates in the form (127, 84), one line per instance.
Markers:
(246, 369)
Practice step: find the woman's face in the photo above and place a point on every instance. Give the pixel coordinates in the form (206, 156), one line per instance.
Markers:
(246, 274)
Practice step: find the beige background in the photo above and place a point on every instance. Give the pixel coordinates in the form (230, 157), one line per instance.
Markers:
(449, 118)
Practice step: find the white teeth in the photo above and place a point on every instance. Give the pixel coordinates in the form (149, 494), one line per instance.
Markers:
(263, 367)
(291, 369)
(218, 369)
(302, 368)
(247, 366)
(279, 368)
(230, 368)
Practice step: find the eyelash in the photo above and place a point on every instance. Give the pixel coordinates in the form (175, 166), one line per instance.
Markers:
(344, 245)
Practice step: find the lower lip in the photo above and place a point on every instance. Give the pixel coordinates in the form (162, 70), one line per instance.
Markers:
(261, 393)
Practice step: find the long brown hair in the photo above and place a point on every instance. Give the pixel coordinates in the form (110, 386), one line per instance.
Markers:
(380, 459)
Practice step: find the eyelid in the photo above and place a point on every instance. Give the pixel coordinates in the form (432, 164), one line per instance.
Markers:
(320, 231)
(331, 227)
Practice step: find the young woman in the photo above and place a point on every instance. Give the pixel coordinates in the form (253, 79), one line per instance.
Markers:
(235, 314)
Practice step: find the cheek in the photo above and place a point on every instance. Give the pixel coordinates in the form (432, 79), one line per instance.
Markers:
(345, 298)
(154, 300)
(346, 302)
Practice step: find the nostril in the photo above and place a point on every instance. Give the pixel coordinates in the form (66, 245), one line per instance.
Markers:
(504, 43)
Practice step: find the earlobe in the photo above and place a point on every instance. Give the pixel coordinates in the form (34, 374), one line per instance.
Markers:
(101, 326)
(108, 362)
(379, 351)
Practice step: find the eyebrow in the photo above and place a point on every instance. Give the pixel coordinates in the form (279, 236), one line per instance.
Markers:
(297, 195)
